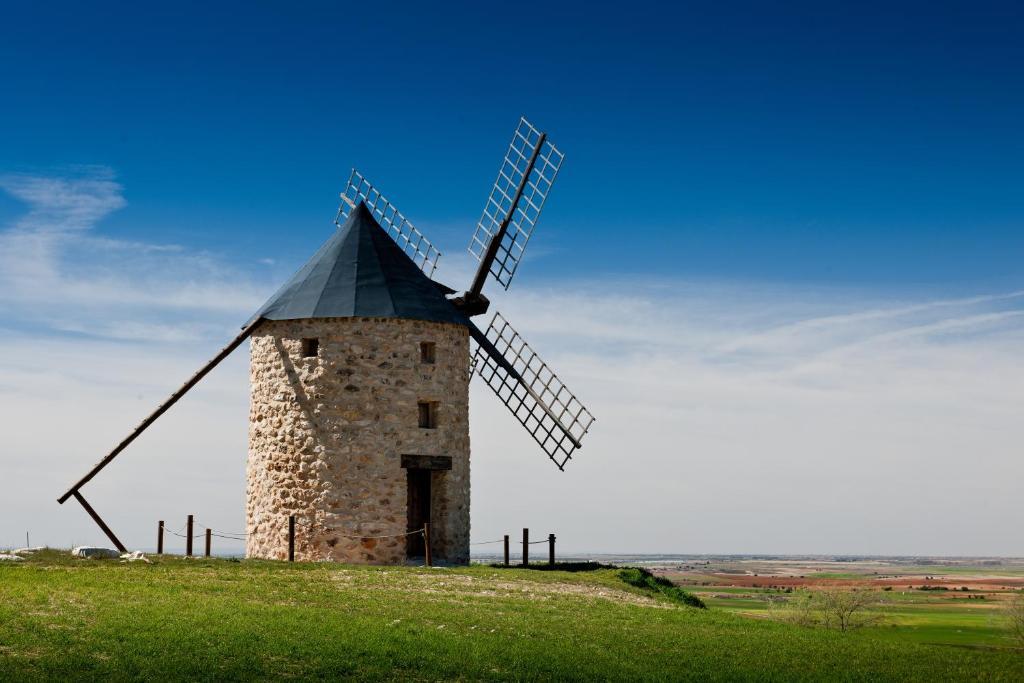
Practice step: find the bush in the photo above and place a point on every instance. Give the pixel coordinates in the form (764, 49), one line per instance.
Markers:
(642, 578)
(843, 610)
(1015, 615)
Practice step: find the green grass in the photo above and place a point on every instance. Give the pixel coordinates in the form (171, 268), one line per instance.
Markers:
(933, 617)
(221, 620)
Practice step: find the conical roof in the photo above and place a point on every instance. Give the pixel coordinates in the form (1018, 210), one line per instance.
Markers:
(360, 272)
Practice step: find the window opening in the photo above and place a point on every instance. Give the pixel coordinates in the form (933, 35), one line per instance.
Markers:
(428, 352)
(428, 414)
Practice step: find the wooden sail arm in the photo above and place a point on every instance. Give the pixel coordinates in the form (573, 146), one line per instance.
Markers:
(161, 409)
(484, 269)
(491, 350)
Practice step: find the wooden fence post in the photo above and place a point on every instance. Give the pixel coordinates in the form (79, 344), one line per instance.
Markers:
(291, 538)
(208, 532)
(506, 550)
(551, 550)
(188, 537)
(426, 543)
(526, 547)
(160, 538)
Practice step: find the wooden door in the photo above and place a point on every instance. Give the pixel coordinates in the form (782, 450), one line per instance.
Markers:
(419, 509)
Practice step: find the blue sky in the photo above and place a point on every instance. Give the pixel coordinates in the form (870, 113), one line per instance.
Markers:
(781, 264)
(876, 146)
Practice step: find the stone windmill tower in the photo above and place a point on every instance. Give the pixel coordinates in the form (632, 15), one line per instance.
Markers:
(359, 373)
(359, 418)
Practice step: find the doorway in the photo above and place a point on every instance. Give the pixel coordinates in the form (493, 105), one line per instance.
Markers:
(419, 509)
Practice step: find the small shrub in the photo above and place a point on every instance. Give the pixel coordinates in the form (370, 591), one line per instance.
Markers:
(843, 610)
(1015, 617)
(642, 578)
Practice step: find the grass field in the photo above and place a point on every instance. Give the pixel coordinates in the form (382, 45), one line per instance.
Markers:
(944, 614)
(218, 620)
(922, 618)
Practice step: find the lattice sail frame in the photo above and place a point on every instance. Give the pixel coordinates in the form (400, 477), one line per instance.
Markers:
(547, 409)
(538, 185)
(412, 241)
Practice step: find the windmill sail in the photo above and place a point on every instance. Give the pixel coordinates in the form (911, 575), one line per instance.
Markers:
(419, 249)
(530, 390)
(524, 181)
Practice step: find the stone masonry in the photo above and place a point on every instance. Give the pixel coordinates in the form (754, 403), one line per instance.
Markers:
(327, 433)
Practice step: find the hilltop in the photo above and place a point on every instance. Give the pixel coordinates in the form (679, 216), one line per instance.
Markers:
(218, 619)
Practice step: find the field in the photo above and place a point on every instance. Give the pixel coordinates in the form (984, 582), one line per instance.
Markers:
(947, 601)
(220, 619)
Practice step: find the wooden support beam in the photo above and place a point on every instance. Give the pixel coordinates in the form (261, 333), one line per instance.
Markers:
(99, 522)
(426, 462)
(163, 407)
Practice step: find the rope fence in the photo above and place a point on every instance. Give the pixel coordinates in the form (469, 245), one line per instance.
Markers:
(183, 535)
(314, 525)
(407, 533)
(310, 525)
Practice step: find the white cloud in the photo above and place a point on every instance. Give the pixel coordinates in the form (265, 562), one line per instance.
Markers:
(56, 272)
(732, 417)
(730, 427)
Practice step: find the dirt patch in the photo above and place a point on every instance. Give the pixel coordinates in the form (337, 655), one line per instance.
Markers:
(456, 585)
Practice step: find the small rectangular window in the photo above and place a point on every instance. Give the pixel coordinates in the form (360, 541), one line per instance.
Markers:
(310, 348)
(428, 415)
(428, 352)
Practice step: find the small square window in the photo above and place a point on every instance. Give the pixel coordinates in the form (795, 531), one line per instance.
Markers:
(427, 415)
(428, 352)
(310, 348)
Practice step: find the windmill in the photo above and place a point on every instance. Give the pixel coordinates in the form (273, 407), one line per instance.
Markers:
(359, 371)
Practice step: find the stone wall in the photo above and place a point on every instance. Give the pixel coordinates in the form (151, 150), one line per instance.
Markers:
(327, 434)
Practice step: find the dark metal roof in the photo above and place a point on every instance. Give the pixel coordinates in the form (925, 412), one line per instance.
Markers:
(360, 272)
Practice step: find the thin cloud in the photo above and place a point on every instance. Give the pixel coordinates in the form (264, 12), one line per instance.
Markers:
(57, 271)
(732, 417)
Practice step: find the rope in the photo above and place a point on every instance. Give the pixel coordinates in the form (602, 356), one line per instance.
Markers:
(408, 533)
(311, 524)
(536, 542)
(500, 540)
(185, 536)
(240, 536)
(226, 533)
